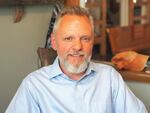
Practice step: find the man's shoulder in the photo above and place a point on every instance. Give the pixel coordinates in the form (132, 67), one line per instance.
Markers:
(103, 68)
(101, 65)
(41, 73)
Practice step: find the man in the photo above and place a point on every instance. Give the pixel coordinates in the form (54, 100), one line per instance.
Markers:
(73, 84)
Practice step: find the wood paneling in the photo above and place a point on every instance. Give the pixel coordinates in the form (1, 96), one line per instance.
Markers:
(72, 2)
(134, 37)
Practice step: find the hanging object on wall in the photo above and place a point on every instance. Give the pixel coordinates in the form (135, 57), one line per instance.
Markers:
(19, 5)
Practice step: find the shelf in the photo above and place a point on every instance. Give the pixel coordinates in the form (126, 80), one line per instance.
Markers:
(135, 12)
(28, 2)
(142, 3)
(140, 17)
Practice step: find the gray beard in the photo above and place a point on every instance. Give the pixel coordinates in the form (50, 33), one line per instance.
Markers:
(75, 69)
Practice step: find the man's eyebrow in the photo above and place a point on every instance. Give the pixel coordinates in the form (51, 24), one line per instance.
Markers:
(89, 36)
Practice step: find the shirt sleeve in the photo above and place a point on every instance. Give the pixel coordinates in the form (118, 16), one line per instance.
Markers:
(23, 101)
(124, 101)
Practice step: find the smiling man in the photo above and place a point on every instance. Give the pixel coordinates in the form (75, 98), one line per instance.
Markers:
(74, 84)
(73, 40)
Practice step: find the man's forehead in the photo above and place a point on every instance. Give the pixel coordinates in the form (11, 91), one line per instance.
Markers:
(73, 17)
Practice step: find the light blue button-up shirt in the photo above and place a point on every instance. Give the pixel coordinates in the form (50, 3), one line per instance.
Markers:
(100, 90)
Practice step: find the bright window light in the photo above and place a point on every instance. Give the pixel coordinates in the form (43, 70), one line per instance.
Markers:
(134, 1)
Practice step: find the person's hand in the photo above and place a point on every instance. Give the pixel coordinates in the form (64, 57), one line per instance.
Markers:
(130, 60)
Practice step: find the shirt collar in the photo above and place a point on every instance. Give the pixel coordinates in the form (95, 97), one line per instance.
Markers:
(56, 70)
(90, 68)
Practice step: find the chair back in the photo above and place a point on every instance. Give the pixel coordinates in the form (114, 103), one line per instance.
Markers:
(135, 37)
(46, 56)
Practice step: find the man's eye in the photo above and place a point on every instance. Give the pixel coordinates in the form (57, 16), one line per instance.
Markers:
(68, 38)
(87, 39)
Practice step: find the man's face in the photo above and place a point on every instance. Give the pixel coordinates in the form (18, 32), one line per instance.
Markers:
(73, 41)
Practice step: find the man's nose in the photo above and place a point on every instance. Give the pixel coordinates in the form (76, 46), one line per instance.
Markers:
(78, 45)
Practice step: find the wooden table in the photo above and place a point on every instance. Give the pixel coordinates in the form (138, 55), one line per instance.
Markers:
(135, 76)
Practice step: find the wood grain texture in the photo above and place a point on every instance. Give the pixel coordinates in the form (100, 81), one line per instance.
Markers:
(134, 37)
(28, 2)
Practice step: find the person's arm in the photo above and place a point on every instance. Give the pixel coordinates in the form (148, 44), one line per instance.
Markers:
(23, 101)
(124, 100)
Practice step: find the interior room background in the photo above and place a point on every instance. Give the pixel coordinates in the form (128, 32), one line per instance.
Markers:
(18, 51)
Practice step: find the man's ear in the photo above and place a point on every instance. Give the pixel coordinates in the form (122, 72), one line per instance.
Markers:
(53, 41)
